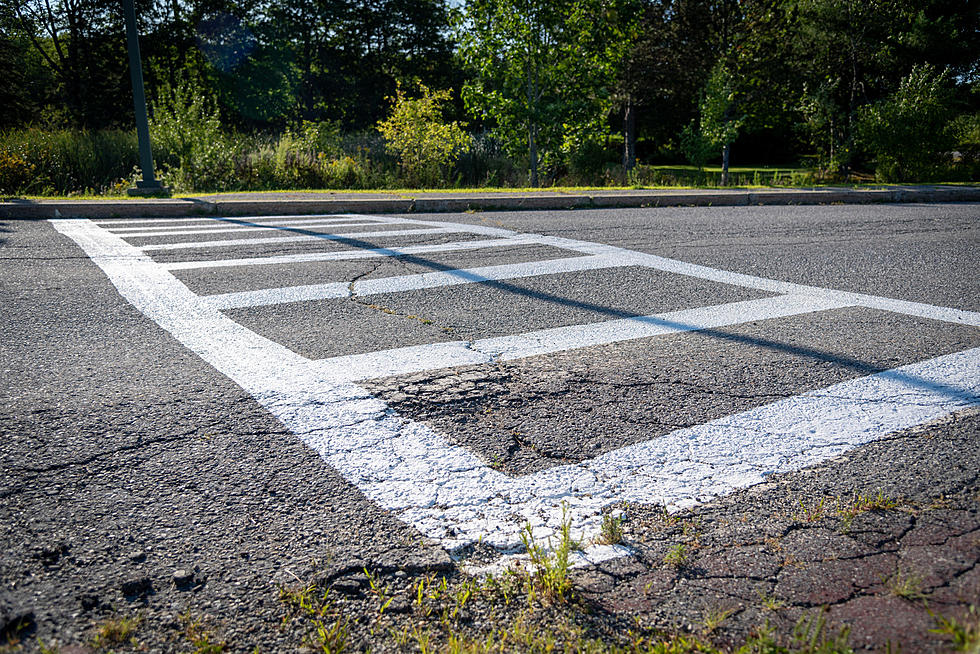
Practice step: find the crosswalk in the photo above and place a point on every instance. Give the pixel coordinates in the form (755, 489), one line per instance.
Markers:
(442, 489)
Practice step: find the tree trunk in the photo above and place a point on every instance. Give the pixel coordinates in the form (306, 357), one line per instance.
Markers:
(725, 150)
(532, 146)
(629, 136)
(532, 126)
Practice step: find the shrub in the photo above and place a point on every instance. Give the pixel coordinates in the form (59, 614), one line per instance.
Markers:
(416, 133)
(193, 151)
(588, 161)
(966, 131)
(908, 133)
(15, 172)
(484, 163)
(697, 148)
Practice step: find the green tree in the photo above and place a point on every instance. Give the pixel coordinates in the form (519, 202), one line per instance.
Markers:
(28, 84)
(342, 58)
(681, 44)
(908, 133)
(722, 115)
(542, 73)
(416, 132)
(850, 53)
(82, 42)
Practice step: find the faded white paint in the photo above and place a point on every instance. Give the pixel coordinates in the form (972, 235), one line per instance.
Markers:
(418, 358)
(401, 283)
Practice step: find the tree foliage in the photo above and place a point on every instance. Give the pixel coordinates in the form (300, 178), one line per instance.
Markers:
(563, 87)
(908, 133)
(417, 133)
(542, 74)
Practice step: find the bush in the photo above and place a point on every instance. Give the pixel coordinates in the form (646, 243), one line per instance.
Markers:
(15, 172)
(192, 150)
(697, 148)
(416, 133)
(484, 163)
(589, 162)
(966, 132)
(908, 134)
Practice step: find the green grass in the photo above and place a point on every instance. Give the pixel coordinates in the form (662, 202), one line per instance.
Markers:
(905, 585)
(200, 637)
(550, 565)
(116, 631)
(611, 532)
(676, 556)
(326, 627)
(964, 634)
(735, 169)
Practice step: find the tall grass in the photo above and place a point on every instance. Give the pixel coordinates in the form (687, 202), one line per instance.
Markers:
(204, 158)
(62, 162)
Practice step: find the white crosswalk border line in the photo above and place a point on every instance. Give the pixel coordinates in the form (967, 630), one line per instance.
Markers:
(196, 245)
(447, 492)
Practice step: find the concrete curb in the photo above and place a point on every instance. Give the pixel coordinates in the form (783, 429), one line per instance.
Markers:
(39, 209)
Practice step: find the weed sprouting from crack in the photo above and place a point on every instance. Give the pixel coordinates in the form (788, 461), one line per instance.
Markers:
(327, 629)
(200, 636)
(550, 565)
(714, 618)
(611, 532)
(525, 608)
(117, 631)
(845, 508)
(677, 556)
(812, 512)
(964, 633)
(905, 585)
(862, 503)
(810, 635)
(771, 602)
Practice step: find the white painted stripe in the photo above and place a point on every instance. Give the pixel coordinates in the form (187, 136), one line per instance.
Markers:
(917, 309)
(109, 223)
(399, 361)
(685, 467)
(932, 312)
(221, 229)
(448, 494)
(230, 347)
(292, 239)
(218, 222)
(365, 287)
(351, 254)
(800, 431)
(574, 337)
(419, 358)
(945, 314)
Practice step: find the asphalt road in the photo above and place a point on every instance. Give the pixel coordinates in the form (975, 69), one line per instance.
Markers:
(199, 412)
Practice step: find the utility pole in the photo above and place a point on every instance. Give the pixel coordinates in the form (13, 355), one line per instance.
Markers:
(149, 185)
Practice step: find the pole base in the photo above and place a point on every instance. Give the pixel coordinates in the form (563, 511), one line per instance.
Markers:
(149, 192)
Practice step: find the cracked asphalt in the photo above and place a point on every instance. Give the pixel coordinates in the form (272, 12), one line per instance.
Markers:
(138, 480)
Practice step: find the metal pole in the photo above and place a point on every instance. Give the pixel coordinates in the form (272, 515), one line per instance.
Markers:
(149, 184)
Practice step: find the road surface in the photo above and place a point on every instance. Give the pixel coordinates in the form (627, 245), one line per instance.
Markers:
(779, 403)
